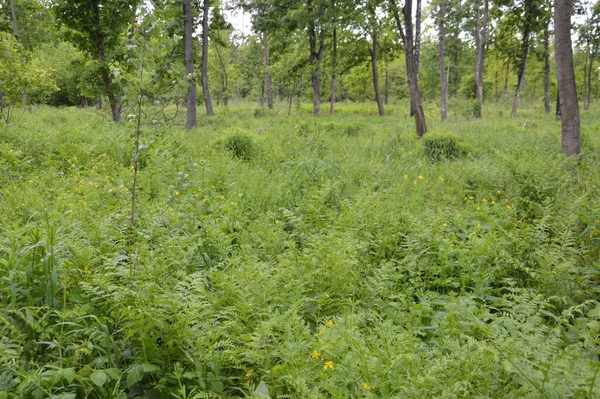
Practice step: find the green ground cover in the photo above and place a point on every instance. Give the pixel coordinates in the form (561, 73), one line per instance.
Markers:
(294, 257)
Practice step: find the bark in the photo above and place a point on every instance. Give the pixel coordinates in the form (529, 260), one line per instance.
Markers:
(557, 112)
(522, 68)
(443, 78)
(411, 71)
(587, 103)
(316, 43)
(189, 64)
(224, 78)
(566, 78)
(13, 15)
(481, 37)
(585, 76)
(267, 72)
(547, 70)
(387, 86)
(333, 73)
(205, 90)
(378, 98)
(418, 17)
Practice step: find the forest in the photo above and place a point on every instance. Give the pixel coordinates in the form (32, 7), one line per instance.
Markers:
(299, 199)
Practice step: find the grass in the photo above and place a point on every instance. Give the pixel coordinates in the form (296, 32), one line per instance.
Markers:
(298, 257)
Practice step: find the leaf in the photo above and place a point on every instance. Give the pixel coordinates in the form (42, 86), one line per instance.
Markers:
(135, 374)
(150, 368)
(64, 396)
(119, 258)
(99, 377)
(69, 374)
(114, 373)
(262, 389)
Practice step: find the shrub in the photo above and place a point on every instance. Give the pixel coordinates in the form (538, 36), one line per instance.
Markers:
(439, 147)
(241, 146)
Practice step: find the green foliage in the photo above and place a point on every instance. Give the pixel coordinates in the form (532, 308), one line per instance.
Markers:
(327, 267)
(19, 79)
(440, 147)
(241, 145)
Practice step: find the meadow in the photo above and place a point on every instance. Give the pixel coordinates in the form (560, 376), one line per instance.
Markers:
(299, 257)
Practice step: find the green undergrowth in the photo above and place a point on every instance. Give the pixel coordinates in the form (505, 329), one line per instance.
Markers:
(293, 257)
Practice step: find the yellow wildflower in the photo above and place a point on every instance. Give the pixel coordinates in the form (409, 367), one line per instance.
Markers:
(508, 207)
(329, 324)
(420, 177)
(405, 176)
(440, 178)
(277, 222)
(233, 203)
(221, 197)
(445, 224)
(176, 193)
(366, 386)
(410, 358)
(415, 182)
(493, 202)
(316, 354)
(328, 365)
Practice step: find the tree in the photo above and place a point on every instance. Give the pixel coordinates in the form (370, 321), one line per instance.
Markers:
(480, 43)
(589, 37)
(189, 63)
(525, 16)
(96, 28)
(442, 51)
(205, 88)
(406, 34)
(565, 74)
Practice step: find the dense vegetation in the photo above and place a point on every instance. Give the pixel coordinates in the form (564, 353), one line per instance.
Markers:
(298, 257)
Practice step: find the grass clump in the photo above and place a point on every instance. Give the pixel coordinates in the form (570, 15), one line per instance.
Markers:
(242, 146)
(442, 147)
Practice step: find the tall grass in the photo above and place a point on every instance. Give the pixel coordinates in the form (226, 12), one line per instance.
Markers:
(298, 257)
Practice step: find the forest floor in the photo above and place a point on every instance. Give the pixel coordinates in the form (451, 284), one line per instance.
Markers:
(293, 257)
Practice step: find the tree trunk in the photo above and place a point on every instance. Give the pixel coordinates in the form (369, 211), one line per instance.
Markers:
(316, 50)
(566, 78)
(585, 75)
(557, 112)
(411, 71)
(378, 98)
(481, 37)
(522, 65)
(586, 105)
(520, 85)
(267, 72)
(443, 81)
(387, 86)
(547, 70)
(333, 73)
(418, 17)
(224, 78)
(315, 62)
(189, 63)
(13, 15)
(205, 89)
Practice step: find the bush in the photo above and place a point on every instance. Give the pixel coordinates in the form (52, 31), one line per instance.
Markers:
(439, 147)
(241, 146)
